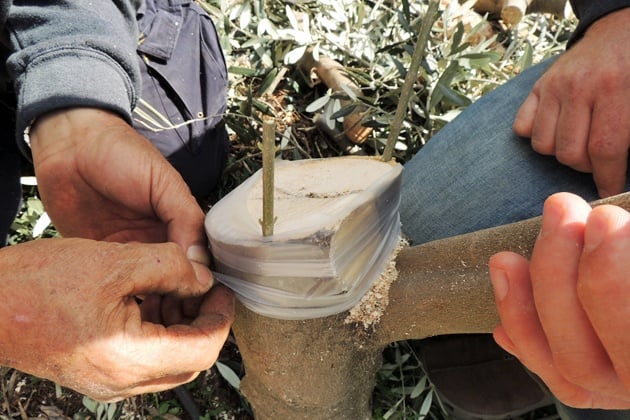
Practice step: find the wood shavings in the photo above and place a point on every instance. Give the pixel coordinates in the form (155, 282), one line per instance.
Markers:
(372, 306)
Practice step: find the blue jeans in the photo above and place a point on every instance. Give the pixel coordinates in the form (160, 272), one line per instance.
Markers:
(476, 173)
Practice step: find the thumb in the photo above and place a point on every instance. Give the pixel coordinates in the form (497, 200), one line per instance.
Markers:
(164, 269)
(176, 207)
(524, 120)
(187, 231)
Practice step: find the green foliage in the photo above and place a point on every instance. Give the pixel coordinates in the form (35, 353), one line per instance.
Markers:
(32, 221)
(374, 41)
(101, 411)
(168, 407)
(229, 375)
(403, 390)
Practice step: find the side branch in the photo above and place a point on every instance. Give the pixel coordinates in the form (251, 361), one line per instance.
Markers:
(443, 287)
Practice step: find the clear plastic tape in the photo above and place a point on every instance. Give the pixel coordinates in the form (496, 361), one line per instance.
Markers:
(272, 257)
(237, 222)
(277, 263)
(275, 303)
(288, 259)
(298, 280)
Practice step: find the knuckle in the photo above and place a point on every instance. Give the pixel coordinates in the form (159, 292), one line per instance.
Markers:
(576, 373)
(604, 148)
(574, 87)
(172, 248)
(610, 79)
(570, 156)
(176, 256)
(542, 145)
(171, 259)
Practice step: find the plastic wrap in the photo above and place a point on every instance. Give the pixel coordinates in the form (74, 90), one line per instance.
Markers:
(337, 225)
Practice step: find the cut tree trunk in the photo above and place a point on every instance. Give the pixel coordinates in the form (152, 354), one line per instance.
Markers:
(325, 368)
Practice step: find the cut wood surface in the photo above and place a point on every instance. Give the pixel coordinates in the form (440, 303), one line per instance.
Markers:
(306, 193)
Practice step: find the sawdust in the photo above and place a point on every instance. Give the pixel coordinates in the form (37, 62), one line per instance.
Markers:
(372, 306)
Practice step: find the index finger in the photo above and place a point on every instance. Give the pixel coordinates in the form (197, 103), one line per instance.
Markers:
(604, 287)
(176, 207)
(577, 351)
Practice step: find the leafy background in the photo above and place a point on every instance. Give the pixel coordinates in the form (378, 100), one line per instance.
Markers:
(466, 56)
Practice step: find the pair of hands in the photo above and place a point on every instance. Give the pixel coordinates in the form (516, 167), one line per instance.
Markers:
(72, 315)
(579, 112)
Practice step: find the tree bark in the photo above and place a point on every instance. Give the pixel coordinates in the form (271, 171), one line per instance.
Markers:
(314, 369)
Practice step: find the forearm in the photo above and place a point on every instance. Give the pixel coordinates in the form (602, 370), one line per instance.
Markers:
(588, 11)
(82, 56)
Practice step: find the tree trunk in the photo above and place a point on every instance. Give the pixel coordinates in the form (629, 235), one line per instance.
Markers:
(313, 369)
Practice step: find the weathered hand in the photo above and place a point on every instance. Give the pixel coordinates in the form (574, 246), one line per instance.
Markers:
(100, 179)
(69, 314)
(579, 111)
(566, 315)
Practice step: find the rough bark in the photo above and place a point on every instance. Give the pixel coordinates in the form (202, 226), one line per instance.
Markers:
(314, 369)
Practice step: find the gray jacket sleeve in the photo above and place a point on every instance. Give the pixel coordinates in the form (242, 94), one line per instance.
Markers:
(588, 11)
(72, 53)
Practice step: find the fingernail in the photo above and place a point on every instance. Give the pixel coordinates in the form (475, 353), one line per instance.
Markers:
(499, 283)
(198, 254)
(203, 274)
(551, 220)
(594, 235)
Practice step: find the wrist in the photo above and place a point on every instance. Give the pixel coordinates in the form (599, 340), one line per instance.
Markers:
(614, 21)
(61, 130)
(590, 13)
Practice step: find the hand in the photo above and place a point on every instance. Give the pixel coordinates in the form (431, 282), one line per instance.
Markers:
(579, 111)
(69, 314)
(100, 179)
(566, 315)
